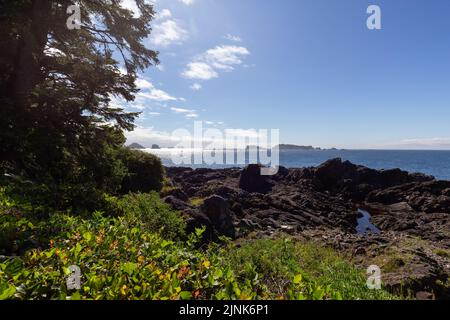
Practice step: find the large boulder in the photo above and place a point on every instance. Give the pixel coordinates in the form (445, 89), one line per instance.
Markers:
(251, 180)
(357, 181)
(219, 213)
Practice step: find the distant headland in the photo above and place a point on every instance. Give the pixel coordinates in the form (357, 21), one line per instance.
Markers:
(297, 147)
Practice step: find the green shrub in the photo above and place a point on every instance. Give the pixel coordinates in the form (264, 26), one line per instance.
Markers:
(132, 256)
(148, 210)
(74, 176)
(145, 171)
(119, 261)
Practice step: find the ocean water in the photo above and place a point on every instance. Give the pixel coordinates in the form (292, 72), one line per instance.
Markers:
(435, 163)
(364, 226)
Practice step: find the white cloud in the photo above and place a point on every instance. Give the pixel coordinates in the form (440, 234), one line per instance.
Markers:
(200, 71)
(148, 136)
(188, 113)
(131, 5)
(225, 57)
(163, 14)
(182, 110)
(157, 95)
(168, 32)
(148, 91)
(220, 58)
(137, 106)
(187, 2)
(246, 133)
(148, 98)
(143, 84)
(196, 86)
(233, 38)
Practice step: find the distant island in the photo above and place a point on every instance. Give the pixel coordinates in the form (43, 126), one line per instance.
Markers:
(248, 147)
(302, 148)
(295, 147)
(136, 146)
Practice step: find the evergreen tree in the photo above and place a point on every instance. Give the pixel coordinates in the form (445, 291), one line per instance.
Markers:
(56, 85)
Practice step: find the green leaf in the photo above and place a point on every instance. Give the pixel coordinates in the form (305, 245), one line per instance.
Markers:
(14, 267)
(199, 232)
(6, 291)
(78, 249)
(75, 296)
(236, 290)
(87, 236)
(318, 293)
(185, 295)
(129, 268)
(297, 279)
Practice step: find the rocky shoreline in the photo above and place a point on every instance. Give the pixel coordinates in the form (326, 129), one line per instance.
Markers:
(320, 204)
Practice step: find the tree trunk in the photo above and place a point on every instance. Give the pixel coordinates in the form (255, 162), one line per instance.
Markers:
(27, 73)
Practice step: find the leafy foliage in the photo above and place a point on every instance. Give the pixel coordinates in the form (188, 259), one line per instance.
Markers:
(152, 214)
(127, 257)
(145, 171)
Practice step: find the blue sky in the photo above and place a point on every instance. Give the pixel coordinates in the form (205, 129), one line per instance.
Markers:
(310, 68)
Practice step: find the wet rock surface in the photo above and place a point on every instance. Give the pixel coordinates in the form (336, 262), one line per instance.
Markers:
(325, 199)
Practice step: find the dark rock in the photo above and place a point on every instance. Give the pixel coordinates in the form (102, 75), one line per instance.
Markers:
(423, 295)
(176, 203)
(249, 225)
(218, 211)
(281, 174)
(429, 196)
(360, 251)
(198, 219)
(237, 209)
(356, 181)
(226, 192)
(176, 171)
(251, 180)
(324, 199)
(176, 193)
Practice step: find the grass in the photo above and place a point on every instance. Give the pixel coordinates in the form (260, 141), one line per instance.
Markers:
(442, 253)
(279, 260)
(196, 202)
